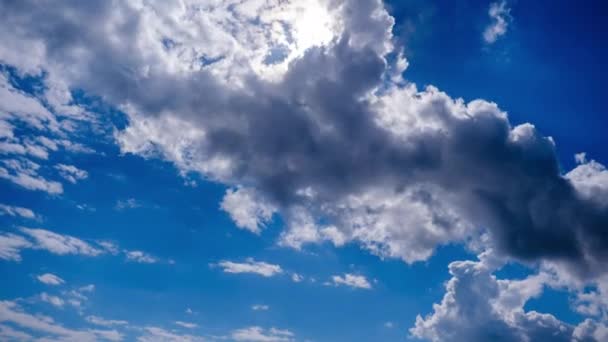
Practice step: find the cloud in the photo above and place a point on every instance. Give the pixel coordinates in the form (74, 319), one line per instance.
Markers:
(351, 280)
(259, 334)
(260, 307)
(130, 203)
(50, 279)
(329, 136)
(53, 300)
(140, 257)
(24, 173)
(500, 14)
(59, 244)
(71, 173)
(155, 334)
(104, 322)
(11, 246)
(251, 266)
(186, 324)
(13, 313)
(246, 210)
(296, 278)
(17, 211)
(479, 307)
(47, 132)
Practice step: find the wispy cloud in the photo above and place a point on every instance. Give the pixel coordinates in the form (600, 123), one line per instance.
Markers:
(351, 280)
(71, 173)
(50, 279)
(187, 325)
(500, 15)
(251, 266)
(140, 257)
(259, 334)
(17, 211)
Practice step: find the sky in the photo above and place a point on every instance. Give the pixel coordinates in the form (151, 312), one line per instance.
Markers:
(306, 170)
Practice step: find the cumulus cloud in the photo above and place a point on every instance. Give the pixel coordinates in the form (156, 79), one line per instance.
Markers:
(500, 15)
(259, 334)
(50, 279)
(479, 307)
(304, 112)
(351, 280)
(251, 266)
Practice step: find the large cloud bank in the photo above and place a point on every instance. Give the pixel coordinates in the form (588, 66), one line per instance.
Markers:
(300, 108)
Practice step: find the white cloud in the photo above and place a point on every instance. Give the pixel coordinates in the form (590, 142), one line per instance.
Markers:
(500, 14)
(352, 280)
(187, 325)
(296, 278)
(50, 279)
(53, 300)
(260, 307)
(251, 266)
(11, 246)
(24, 173)
(140, 257)
(17, 211)
(71, 173)
(11, 312)
(59, 244)
(389, 325)
(130, 203)
(479, 307)
(157, 334)
(104, 322)
(246, 209)
(259, 334)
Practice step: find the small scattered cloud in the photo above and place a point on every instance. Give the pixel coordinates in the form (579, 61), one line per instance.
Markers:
(260, 307)
(259, 334)
(11, 246)
(251, 266)
(296, 278)
(351, 280)
(71, 173)
(247, 209)
(187, 325)
(140, 257)
(17, 211)
(53, 300)
(50, 279)
(500, 15)
(104, 322)
(59, 244)
(130, 203)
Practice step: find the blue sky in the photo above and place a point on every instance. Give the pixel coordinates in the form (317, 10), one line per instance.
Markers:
(400, 171)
